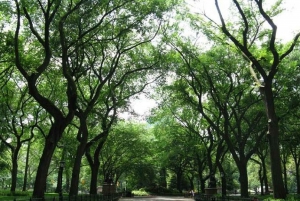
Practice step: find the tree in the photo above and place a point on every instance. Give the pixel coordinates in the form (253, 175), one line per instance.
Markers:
(260, 48)
(127, 151)
(65, 41)
(212, 84)
(17, 121)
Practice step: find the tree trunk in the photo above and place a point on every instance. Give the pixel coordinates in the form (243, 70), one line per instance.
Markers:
(163, 179)
(95, 162)
(51, 141)
(261, 179)
(297, 178)
(273, 137)
(94, 177)
(14, 170)
(26, 167)
(76, 168)
(285, 176)
(243, 179)
(266, 182)
(202, 185)
(178, 180)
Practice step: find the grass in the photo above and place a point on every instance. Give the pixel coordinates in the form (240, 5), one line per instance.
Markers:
(6, 195)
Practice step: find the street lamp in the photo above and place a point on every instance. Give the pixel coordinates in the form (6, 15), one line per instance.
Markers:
(60, 174)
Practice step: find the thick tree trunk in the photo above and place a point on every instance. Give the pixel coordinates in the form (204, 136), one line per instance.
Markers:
(202, 185)
(51, 141)
(42, 171)
(273, 137)
(94, 177)
(178, 180)
(243, 179)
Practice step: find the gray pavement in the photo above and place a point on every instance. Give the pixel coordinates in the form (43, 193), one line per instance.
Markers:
(156, 198)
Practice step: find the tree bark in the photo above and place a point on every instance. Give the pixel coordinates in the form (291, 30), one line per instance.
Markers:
(273, 138)
(14, 171)
(26, 167)
(178, 180)
(94, 177)
(297, 178)
(76, 168)
(243, 179)
(95, 164)
(52, 139)
(266, 182)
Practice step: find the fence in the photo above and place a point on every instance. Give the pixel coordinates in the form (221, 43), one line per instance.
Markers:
(219, 198)
(111, 197)
(204, 197)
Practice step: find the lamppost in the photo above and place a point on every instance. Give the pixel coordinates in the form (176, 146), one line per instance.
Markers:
(60, 174)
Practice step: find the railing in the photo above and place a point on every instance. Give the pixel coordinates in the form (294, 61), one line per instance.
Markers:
(204, 197)
(111, 197)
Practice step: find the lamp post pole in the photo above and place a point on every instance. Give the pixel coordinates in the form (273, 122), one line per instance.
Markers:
(60, 175)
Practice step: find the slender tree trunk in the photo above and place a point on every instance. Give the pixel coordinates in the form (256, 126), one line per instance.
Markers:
(82, 137)
(285, 175)
(297, 178)
(76, 168)
(273, 137)
(261, 179)
(26, 167)
(266, 182)
(14, 170)
(95, 164)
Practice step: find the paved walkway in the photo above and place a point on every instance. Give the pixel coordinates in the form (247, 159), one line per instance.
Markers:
(156, 198)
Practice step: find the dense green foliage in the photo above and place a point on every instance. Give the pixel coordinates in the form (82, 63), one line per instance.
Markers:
(227, 98)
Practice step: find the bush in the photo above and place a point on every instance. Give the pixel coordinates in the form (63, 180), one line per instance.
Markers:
(140, 192)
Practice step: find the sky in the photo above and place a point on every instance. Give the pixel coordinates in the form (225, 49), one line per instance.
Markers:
(287, 23)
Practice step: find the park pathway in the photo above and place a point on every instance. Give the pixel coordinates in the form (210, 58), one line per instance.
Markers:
(156, 198)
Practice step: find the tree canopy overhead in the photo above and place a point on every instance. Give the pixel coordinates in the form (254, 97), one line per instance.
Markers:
(223, 84)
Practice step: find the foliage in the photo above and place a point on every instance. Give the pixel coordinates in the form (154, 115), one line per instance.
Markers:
(140, 192)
